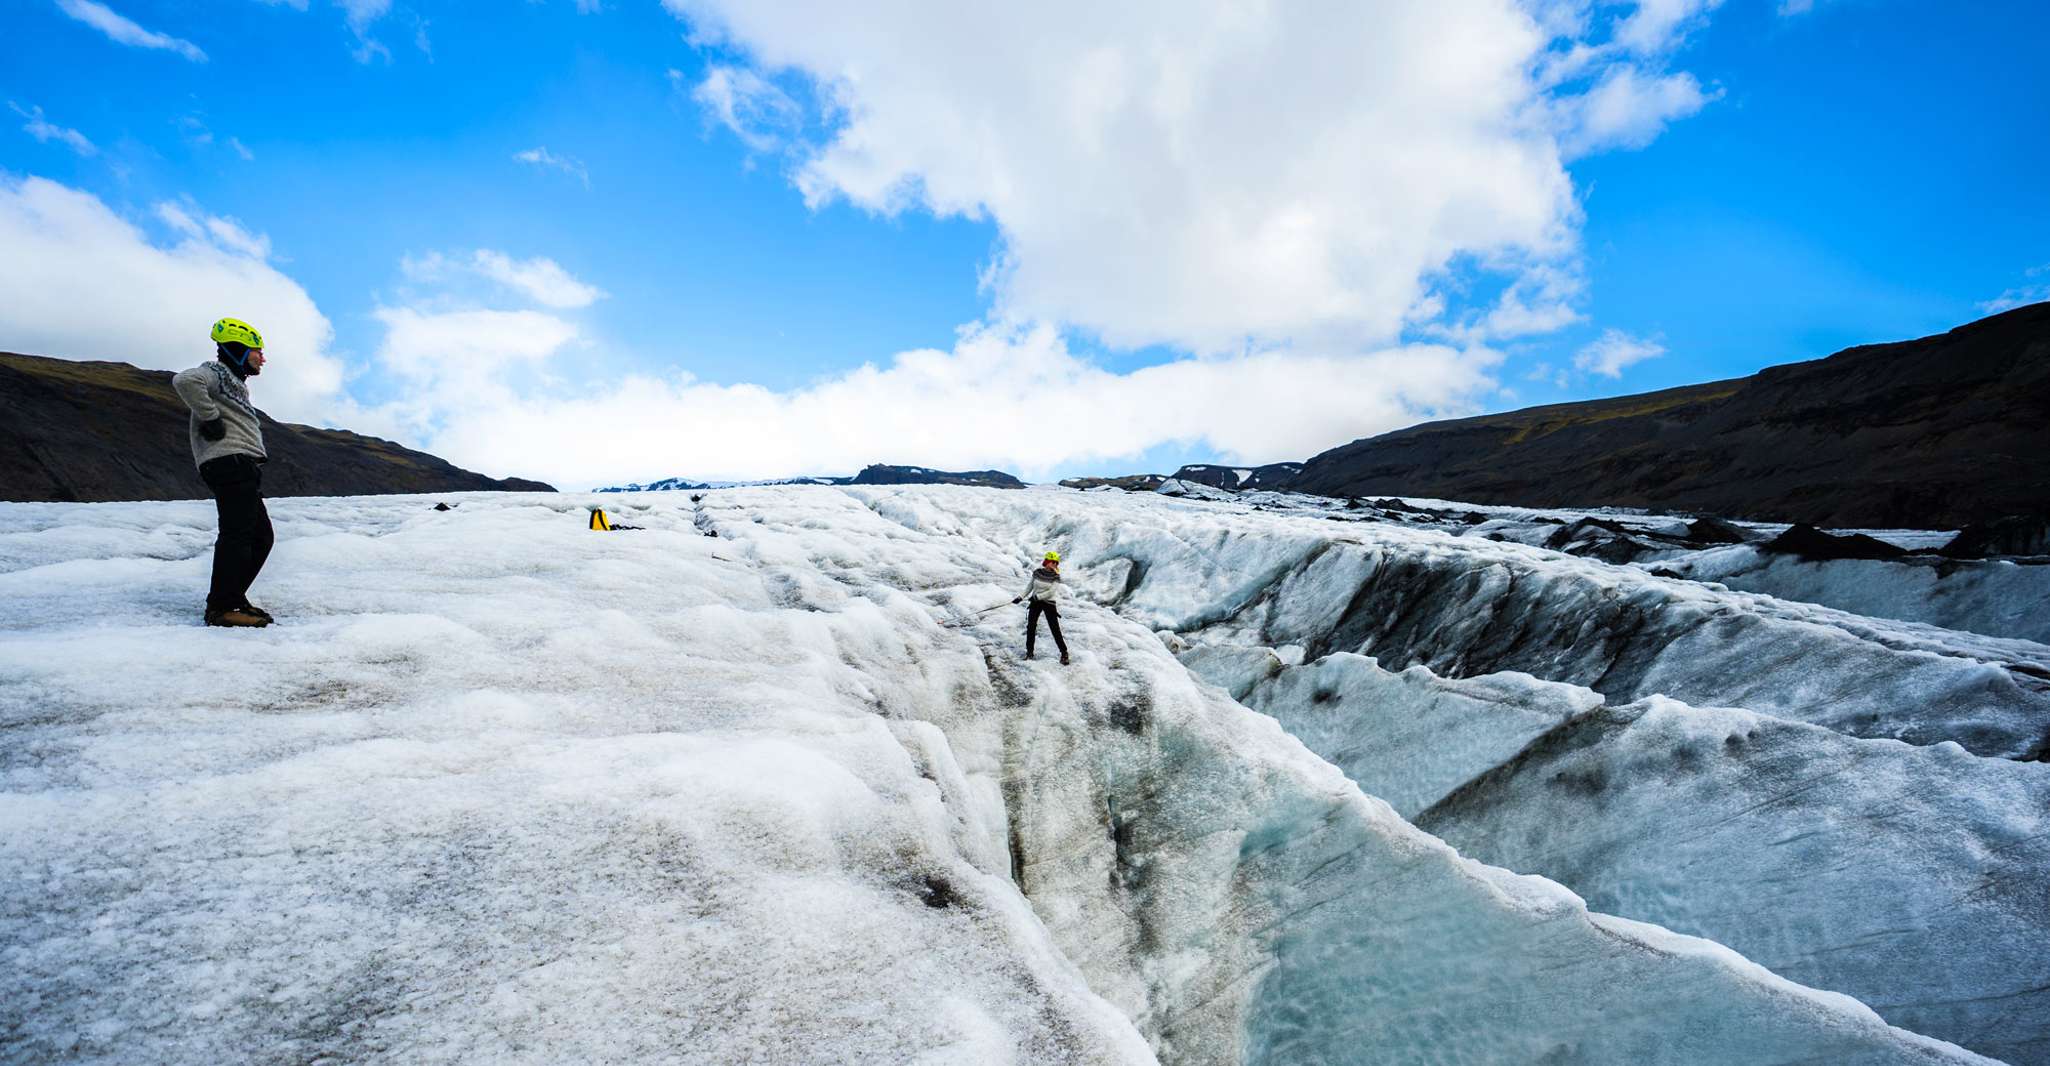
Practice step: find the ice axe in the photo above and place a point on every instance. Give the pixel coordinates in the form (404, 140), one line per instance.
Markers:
(955, 623)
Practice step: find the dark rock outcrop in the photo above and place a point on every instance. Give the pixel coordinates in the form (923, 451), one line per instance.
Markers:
(879, 474)
(93, 431)
(1934, 433)
(1240, 478)
(1129, 482)
(1597, 538)
(2013, 535)
(1705, 531)
(1814, 545)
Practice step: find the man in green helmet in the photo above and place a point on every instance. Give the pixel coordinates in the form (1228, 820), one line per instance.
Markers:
(227, 445)
(1044, 592)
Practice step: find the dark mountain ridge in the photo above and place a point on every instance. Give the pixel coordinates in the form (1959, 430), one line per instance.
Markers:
(98, 431)
(872, 474)
(1939, 432)
(1240, 478)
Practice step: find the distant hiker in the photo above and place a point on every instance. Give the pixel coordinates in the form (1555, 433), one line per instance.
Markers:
(1044, 592)
(227, 446)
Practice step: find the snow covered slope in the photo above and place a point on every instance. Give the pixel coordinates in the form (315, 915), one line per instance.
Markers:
(756, 784)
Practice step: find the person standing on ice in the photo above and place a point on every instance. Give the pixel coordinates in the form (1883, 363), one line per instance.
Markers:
(227, 446)
(1044, 593)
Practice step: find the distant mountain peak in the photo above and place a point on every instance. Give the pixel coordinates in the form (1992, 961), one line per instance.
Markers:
(873, 474)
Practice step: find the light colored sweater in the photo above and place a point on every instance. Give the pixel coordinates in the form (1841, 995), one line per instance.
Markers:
(1045, 586)
(213, 391)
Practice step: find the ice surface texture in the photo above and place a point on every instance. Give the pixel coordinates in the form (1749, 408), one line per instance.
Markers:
(2000, 597)
(1911, 878)
(499, 788)
(1466, 607)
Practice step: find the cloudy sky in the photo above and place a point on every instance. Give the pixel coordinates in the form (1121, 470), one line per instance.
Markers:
(599, 241)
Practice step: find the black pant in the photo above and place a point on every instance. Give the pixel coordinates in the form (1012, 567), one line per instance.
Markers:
(1053, 623)
(245, 540)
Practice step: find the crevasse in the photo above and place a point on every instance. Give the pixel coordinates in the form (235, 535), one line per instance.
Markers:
(1910, 876)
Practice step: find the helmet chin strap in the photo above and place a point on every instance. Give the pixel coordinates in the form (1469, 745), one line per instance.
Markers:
(239, 361)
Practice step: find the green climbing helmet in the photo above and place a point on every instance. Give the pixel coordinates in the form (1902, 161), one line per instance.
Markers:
(1053, 557)
(236, 331)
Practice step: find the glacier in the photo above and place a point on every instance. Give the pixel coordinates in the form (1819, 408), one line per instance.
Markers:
(1997, 597)
(766, 780)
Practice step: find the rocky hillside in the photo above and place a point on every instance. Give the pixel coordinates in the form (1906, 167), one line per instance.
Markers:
(880, 474)
(1241, 478)
(1128, 482)
(1932, 433)
(89, 432)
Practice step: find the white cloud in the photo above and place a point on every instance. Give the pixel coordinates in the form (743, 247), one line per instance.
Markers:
(361, 13)
(1548, 374)
(1004, 396)
(1200, 174)
(1629, 108)
(1614, 350)
(123, 30)
(2035, 288)
(461, 363)
(194, 129)
(227, 233)
(361, 16)
(540, 156)
(84, 283)
(1656, 25)
(1540, 300)
(45, 131)
(540, 280)
(746, 103)
(1193, 174)
(469, 344)
(230, 235)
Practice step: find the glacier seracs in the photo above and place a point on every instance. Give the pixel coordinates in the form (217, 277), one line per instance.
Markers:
(504, 788)
(1998, 597)
(1909, 877)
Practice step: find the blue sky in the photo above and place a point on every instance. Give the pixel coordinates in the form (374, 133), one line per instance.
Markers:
(1776, 186)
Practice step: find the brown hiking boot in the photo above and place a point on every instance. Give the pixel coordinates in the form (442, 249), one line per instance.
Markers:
(236, 616)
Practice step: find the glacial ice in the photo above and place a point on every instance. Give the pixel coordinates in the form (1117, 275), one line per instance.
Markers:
(1997, 597)
(1911, 878)
(501, 788)
(1465, 607)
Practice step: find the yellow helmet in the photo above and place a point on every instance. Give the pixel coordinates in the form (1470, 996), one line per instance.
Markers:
(234, 330)
(1053, 557)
